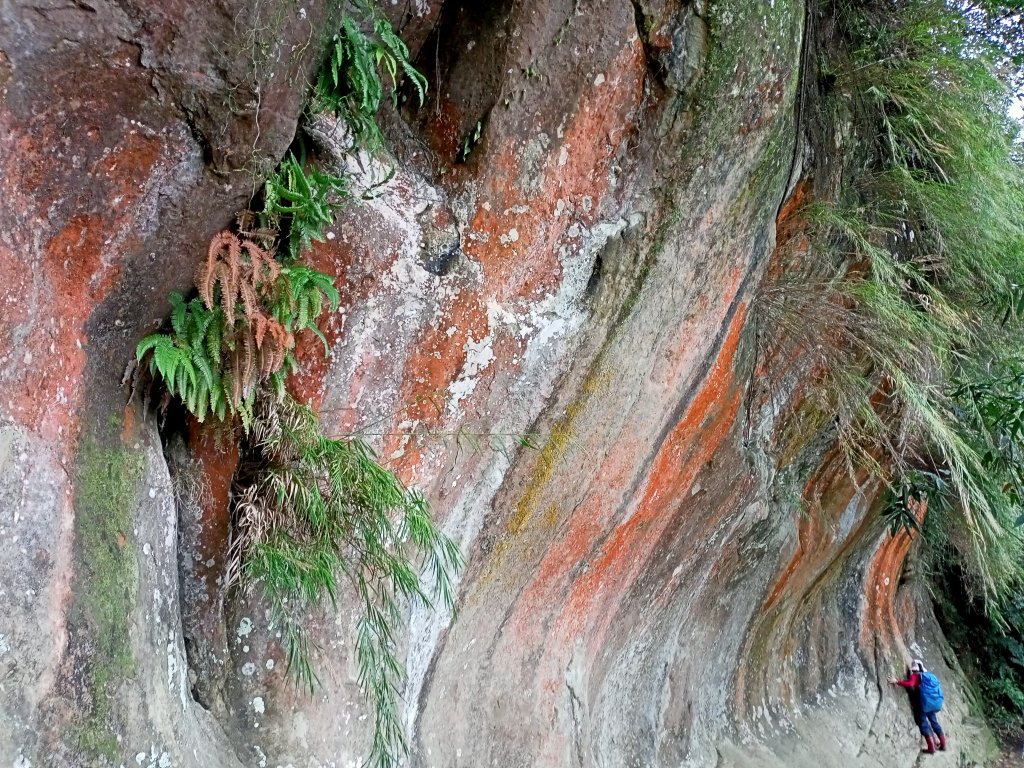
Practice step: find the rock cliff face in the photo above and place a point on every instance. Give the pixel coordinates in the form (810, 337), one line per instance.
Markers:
(578, 245)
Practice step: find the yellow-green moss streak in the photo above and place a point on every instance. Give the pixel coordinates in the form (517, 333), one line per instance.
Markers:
(106, 490)
(554, 450)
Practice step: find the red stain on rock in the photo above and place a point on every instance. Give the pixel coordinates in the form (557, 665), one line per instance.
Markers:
(437, 361)
(693, 441)
(826, 495)
(75, 262)
(355, 262)
(216, 456)
(440, 355)
(306, 384)
(595, 596)
(536, 197)
(444, 131)
(73, 280)
(791, 225)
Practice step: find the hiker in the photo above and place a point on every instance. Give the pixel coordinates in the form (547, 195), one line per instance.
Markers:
(925, 694)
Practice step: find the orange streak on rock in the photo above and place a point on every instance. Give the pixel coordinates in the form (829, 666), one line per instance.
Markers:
(440, 355)
(879, 620)
(790, 223)
(443, 134)
(438, 359)
(51, 354)
(814, 545)
(217, 458)
(692, 442)
(595, 596)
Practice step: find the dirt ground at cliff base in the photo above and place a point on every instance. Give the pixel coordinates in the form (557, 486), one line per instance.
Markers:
(1010, 756)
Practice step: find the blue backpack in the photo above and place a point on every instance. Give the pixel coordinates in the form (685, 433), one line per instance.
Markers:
(931, 693)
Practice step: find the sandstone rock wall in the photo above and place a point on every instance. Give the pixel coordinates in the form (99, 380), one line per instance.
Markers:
(574, 249)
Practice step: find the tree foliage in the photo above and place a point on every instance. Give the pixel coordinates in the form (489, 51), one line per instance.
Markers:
(928, 232)
(926, 236)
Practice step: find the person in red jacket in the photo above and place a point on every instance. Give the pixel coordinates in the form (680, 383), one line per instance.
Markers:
(926, 721)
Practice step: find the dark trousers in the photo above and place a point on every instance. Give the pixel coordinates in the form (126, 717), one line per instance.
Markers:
(929, 724)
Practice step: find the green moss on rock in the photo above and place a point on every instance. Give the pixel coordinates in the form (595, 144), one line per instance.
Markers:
(106, 489)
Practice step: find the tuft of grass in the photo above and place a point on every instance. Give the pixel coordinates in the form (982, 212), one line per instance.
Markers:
(311, 511)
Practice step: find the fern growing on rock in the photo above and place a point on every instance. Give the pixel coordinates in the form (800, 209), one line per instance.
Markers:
(188, 360)
(349, 83)
(236, 272)
(240, 331)
(300, 203)
(308, 512)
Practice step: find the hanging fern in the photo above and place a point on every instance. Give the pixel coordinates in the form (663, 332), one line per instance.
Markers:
(239, 332)
(308, 510)
(188, 360)
(238, 270)
(300, 299)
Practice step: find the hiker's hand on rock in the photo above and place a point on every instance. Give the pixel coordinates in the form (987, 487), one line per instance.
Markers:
(892, 681)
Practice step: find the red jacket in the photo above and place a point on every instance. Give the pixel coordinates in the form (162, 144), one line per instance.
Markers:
(911, 682)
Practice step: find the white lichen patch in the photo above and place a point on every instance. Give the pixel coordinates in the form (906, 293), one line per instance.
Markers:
(155, 758)
(244, 627)
(258, 706)
(479, 355)
(512, 236)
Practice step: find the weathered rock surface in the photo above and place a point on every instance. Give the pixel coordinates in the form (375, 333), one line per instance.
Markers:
(573, 248)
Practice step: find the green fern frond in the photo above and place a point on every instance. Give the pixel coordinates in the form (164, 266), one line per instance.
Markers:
(179, 312)
(146, 344)
(349, 82)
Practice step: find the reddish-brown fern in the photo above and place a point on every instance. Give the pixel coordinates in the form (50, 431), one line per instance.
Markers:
(242, 270)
